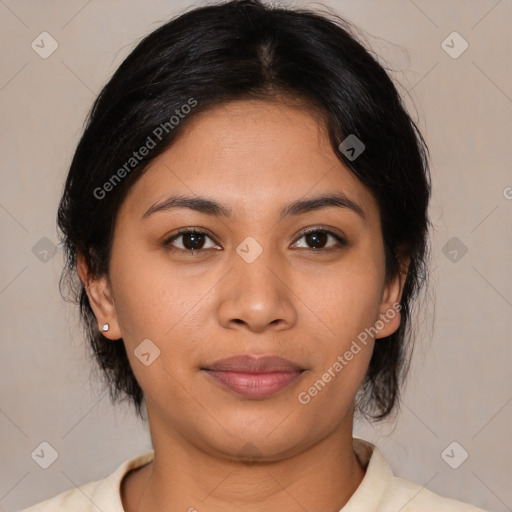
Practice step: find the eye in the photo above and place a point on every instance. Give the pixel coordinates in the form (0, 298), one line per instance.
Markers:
(318, 237)
(193, 241)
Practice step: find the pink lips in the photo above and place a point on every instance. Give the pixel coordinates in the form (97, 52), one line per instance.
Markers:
(254, 376)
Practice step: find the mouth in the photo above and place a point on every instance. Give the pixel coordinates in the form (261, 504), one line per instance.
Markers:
(255, 377)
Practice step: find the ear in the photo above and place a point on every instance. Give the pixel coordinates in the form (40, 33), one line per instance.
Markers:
(100, 298)
(389, 315)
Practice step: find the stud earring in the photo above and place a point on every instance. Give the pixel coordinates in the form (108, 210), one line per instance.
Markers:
(105, 327)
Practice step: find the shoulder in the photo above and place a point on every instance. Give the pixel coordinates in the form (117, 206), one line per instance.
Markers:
(412, 497)
(382, 491)
(78, 499)
(93, 496)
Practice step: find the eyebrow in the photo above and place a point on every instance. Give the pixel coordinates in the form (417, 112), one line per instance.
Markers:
(211, 207)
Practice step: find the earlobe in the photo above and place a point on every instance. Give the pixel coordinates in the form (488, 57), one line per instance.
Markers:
(101, 301)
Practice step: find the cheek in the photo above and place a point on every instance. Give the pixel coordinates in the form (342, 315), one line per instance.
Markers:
(341, 360)
(152, 304)
(146, 298)
(160, 302)
(347, 306)
(348, 296)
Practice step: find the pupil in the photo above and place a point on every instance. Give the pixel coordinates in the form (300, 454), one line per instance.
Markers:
(316, 237)
(194, 238)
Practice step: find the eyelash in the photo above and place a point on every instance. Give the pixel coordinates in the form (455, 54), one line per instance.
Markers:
(167, 243)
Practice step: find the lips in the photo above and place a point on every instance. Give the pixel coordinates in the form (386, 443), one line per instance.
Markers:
(254, 364)
(255, 377)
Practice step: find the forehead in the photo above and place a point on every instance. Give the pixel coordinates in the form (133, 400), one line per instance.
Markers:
(253, 155)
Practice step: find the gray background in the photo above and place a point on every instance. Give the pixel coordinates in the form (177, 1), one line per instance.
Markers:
(460, 389)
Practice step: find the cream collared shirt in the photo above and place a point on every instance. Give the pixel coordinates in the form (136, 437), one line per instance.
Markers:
(379, 491)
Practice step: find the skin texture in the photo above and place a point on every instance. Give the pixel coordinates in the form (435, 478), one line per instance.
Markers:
(304, 305)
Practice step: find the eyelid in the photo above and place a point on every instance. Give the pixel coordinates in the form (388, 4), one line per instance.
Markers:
(320, 227)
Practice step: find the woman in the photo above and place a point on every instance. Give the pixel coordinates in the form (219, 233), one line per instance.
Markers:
(247, 215)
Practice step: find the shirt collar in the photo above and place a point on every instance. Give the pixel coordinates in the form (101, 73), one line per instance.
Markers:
(377, 478)
(367, 496)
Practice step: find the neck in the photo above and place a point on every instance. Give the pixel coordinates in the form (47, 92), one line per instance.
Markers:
(184, 477)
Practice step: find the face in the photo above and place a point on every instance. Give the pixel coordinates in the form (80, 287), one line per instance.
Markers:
(249, 281)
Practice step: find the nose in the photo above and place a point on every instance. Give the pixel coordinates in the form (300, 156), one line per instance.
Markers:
(257, 295)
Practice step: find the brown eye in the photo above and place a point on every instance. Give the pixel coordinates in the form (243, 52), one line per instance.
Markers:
(317, 239)
(192, 241)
